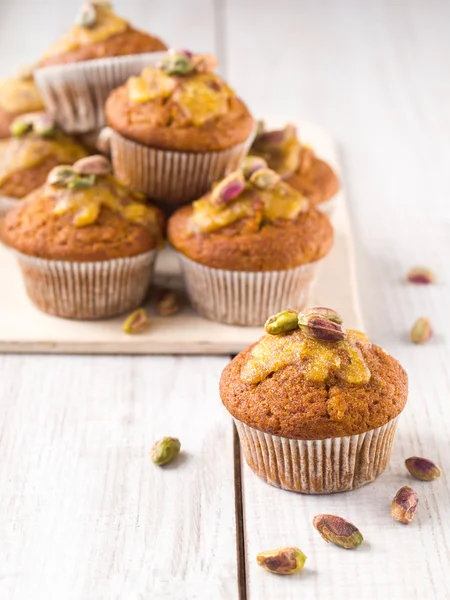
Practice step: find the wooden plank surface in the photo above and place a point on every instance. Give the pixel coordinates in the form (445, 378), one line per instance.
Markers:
(29, 330)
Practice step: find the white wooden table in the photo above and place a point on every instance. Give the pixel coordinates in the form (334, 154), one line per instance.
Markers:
(83, 513)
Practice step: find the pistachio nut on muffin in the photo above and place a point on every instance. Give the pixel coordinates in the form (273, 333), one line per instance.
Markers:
(86, 244)
(18, 95)
(177, 128)
(36, 146)
(96, 55)
(298, 164)
(315, 405)
(250, 246)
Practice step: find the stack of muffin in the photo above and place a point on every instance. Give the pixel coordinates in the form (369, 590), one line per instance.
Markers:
(248, 207)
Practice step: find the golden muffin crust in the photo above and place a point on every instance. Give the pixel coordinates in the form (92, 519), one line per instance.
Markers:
(25, 161)
(18, 95)
(251, 221)
(99, 222)
(296, 163)
(311, 398)
(191, 112)
(99, 33)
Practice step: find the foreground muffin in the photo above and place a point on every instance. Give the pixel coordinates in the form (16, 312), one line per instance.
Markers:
(86, 244)
(250, 246)
(298, 165)
(26, 158)
(177, 128)
(315, 406)
(18, 95)
(73, 81)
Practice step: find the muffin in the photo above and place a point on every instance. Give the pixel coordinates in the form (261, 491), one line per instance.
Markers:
(26, 158)
(250, 246)
(18, 95)
(298, 165)
(95, 56)
(177, 128)
(315, 406)
(85, 243)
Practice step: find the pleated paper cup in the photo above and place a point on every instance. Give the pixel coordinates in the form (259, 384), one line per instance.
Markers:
(87, 290)
(75, 94)
(242, 297)
(317, 466)
(170, 176)
(6, 204)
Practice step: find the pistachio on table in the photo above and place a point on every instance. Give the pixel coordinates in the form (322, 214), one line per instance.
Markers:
(282, 561)
(404, 505)
(421, 331)
(421, 275)
(338, 531)
(422, 468)
(168, 303)
(137, 322)
(165, 450)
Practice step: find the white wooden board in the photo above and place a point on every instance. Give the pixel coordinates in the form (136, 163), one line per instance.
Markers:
(29, 330)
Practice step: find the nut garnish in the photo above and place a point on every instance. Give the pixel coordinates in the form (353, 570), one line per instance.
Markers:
(165, 450)
(61, 175)
(87, 15)
(228, 189)
(421, 275)
(265, 179)
(421, 331)
(338, 531)
(103, 143)
(41, 123)
(284, 321)
(404, 505)
(322, 324)
(96, 164)
(282, 561)
(422, 468)
(251, 164)
(137, 322)
(168, 303)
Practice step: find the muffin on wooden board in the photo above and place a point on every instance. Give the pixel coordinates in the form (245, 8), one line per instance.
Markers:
(250, 246)
(96, 55)
(315, 406)
(26, 158)
(177, 128)
(18, 95)
(85, 243)
(298, 164)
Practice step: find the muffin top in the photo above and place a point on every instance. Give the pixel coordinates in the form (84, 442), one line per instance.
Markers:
(36, 146)
(251, 221)
(180, 104)
(83, 214)
(98, 33)
(296, 163)
(17, 95)
(308, 378)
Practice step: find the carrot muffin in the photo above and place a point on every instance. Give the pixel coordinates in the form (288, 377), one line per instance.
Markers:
(250, 246)
(297, 164)
(86, 244)
(18, 95)
(96, 55)
(315, 405)
(36, 146)
(177, 127)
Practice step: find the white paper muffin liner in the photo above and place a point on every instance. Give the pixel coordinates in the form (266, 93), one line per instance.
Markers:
(242, 297)
(75, 94)
(87, 290)
(6, 204)
(317, 466)
(171, 176)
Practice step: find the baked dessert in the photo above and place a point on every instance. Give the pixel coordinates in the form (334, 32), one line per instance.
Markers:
(18, 95)
(250, 246)
(315, 405)
(177, 127)
(36, 146)
(96, 55)
(86, 244)
(298, 164)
